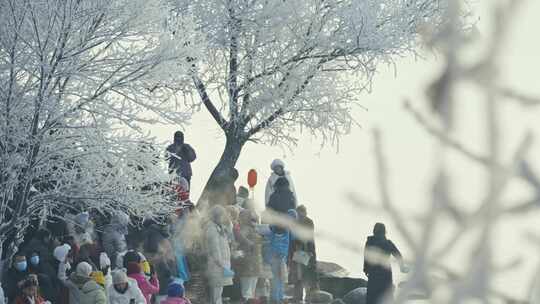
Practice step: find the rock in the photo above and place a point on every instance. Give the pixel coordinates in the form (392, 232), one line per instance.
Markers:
(320, 297)
(357, 296)
(339, 287)
(331, 270)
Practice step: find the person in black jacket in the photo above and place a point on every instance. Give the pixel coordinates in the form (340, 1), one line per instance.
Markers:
(180, 156)
(15, 274)
(377, 266)
(283, 199)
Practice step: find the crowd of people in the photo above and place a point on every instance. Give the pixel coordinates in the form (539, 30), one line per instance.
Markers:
(246, 256)
(76, 260)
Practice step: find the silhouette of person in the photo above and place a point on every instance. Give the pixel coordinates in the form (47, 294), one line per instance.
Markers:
(377, 266)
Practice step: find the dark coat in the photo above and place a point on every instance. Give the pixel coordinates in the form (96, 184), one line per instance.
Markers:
(48, 286)
(250, 242)
(45, 250)
(300, 272)
(379, 275)
(181, 161)
(282, 200)
(10, 280)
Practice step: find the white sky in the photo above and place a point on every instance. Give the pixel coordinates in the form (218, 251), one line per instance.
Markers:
(323, 178)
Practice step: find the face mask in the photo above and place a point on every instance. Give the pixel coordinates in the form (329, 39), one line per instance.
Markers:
(21, 266)
(34, 260)
(121, 290)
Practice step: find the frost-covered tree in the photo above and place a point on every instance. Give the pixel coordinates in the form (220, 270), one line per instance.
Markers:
(72, 72)
(272, 69)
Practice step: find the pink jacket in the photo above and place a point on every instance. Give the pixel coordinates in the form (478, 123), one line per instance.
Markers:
(170, 300)
(148, 288)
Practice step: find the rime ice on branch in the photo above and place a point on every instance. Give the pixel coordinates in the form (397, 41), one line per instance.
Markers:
(272, 69)
(71, 73)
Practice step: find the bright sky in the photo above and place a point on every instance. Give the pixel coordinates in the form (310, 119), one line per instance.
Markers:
(324, 178)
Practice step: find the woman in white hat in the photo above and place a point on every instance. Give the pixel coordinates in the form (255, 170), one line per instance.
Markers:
(278, 171)
(124, 290)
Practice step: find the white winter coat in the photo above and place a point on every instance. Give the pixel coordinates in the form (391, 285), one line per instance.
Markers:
(219, 255)
(133, 292)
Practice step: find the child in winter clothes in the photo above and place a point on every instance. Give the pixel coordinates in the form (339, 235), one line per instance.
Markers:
(30, 294)
(278, 254)
(148, 287)
(175, 294)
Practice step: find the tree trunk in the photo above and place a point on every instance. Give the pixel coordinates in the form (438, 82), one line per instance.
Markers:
(220, 179)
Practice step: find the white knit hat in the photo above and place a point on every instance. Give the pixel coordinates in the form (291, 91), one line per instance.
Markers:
(277, 162)
(84, 269)
(119, 276)
(61, 252)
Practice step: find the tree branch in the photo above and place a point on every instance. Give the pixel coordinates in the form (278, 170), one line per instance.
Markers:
(232, 80)
(201, 89)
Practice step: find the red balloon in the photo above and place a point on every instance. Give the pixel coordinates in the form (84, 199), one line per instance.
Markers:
(252, 178)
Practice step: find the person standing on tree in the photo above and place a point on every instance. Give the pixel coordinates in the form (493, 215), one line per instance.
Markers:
(180, 156)
(278, 171)
(377, 266)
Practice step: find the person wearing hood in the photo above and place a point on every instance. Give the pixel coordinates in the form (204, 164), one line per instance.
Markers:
(82, 287)
(278, 171)
(62, 265)
(278, 254)
(114, 235)
(250, 265)
(147, 287)
(17, 273)
(124, 290)
(242, 199)
(103, 275)
(378, 248)
(105, 268)
(180, 156)
(218, 270)
(282, 199)
(175, 294)
(303, 266)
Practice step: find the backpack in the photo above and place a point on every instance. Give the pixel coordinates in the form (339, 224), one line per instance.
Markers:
(188, 153)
